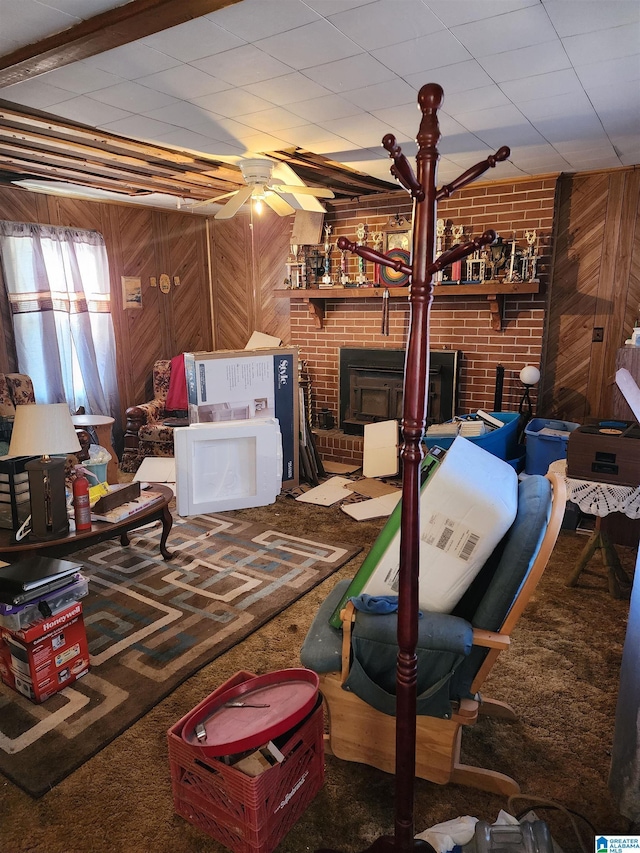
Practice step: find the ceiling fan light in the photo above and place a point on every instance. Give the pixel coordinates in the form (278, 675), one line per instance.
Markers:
(258, 206)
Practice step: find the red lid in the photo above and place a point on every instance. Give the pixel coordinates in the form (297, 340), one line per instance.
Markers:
(232, 727)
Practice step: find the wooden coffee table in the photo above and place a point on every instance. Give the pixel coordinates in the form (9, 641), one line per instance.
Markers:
(100, 532)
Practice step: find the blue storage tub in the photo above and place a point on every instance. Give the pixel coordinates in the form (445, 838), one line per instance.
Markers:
(501, 442)
(542, 450)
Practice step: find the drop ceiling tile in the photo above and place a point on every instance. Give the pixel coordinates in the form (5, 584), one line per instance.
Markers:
(248, 19)
(257, 143)
(617, 122)
(89, 7)
(598, 163)
(314, 137)
(519, 29)
(226, 130)
(33, 21)
(80, 78)
(287, 89)
(181, 137)
(351, 73)
(324, 109)
(332, 7)
(312, 44)
(557, 129)
(610, 71)
(273, 120)
(405, 118)
(383, 95)
(88, 111)
(542, 86)
(516, 64)
(506, 116)
(462, 142)
(422, 54)
(474, 100)
(183, 81)
(7, 44)
(382, 23)
(567, 105)
(192, 40)
(132, 97)
(232, 103)
(459, 77)
(35, 93)
(182, 114)
(365, 130)
(142, 127)
(594, 15)
(465, 11)
(605, 44)
(243, 65)
(132, 61)
(514, 136)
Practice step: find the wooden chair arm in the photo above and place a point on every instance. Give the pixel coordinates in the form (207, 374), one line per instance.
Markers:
(490, 639)
(348, 616)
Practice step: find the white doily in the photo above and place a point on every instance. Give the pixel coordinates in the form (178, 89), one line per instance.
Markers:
(599, 498)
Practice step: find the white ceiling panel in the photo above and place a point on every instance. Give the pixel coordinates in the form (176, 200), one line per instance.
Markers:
(243, 65)
(355, 72)
(183, 78)
(556, 80)
(193, 40)
(313, 44)
(249, 22)
(386, 22)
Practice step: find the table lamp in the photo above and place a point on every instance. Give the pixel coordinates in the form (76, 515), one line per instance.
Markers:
(529, 376)
(44, 430)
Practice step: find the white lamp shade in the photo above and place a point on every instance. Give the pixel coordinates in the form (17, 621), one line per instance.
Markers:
(529, 375)
(43, 430)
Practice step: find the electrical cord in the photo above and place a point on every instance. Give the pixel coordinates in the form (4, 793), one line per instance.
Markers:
(541, 801)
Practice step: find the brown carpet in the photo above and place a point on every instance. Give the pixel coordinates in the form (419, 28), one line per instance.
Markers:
(561, 675)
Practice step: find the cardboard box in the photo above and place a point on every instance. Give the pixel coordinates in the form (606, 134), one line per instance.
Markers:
(47, 657)
(6, 673)
(230, 385)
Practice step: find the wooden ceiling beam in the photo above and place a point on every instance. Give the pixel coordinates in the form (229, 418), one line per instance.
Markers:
(114, 28)
(36, 145)
(64, 131)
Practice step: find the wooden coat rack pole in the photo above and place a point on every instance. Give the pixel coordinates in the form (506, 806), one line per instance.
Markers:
(414, 418)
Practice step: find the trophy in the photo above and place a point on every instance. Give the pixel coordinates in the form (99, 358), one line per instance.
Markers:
(456, 267)
(530, 260)
(344, 277)
(440, 228)
(378, 240)
(361, 239)
(326, 278)
(513, 274)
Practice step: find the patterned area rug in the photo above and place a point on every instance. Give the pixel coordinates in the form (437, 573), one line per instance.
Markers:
(151, 624)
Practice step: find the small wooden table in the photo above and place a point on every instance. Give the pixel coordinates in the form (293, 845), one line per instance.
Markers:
(100, 532)
(102, 425)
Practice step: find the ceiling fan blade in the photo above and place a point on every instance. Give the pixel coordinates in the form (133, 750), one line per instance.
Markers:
(275, 202)
(318, 192)
(212, 200)
(233, 206)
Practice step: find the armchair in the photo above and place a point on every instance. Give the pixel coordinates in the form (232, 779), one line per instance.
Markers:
(146, 433)
(455, 654)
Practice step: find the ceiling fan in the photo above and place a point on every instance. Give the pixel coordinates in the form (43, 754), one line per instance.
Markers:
(257, 173)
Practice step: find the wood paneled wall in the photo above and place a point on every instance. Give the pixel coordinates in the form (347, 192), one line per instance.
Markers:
(145, 243)
(248, 263)
(595, 285)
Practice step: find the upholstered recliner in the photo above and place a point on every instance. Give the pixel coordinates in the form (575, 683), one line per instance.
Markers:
(16, 389)
(357, 663)
(145, 432)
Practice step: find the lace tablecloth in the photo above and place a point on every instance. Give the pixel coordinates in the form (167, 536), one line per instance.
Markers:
(599, 498)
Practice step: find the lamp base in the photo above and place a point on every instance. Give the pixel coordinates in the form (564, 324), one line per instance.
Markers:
(49, 518)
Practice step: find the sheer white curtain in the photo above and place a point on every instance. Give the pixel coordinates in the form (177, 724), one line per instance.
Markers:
(57, 282)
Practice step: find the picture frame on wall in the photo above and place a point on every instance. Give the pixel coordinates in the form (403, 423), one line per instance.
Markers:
(131, 292)
(398, 239)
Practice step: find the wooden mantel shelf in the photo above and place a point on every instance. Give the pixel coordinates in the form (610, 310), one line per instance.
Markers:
(495, 291)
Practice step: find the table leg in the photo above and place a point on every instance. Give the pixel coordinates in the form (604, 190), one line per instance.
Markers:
(103, 434)
(167, 524)
(616, 573)
(589, 550)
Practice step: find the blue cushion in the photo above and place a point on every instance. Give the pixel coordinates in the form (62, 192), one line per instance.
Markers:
(322, 647)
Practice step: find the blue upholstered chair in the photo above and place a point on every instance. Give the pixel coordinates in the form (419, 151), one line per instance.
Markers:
(357, 664)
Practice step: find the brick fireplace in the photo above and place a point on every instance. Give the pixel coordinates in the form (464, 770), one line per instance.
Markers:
(457, 322)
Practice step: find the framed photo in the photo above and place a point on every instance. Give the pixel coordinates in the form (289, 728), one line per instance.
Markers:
(131, 292)
(397, 240)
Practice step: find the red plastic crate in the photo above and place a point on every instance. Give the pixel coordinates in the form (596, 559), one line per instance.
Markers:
(248, 814)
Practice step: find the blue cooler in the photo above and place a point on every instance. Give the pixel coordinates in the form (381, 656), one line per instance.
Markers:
(543, 449)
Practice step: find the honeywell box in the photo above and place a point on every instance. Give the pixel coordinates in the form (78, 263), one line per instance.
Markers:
(232, 385)
(49, 656)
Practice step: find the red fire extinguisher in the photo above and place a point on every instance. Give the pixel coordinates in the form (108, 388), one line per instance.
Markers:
(81, 507)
